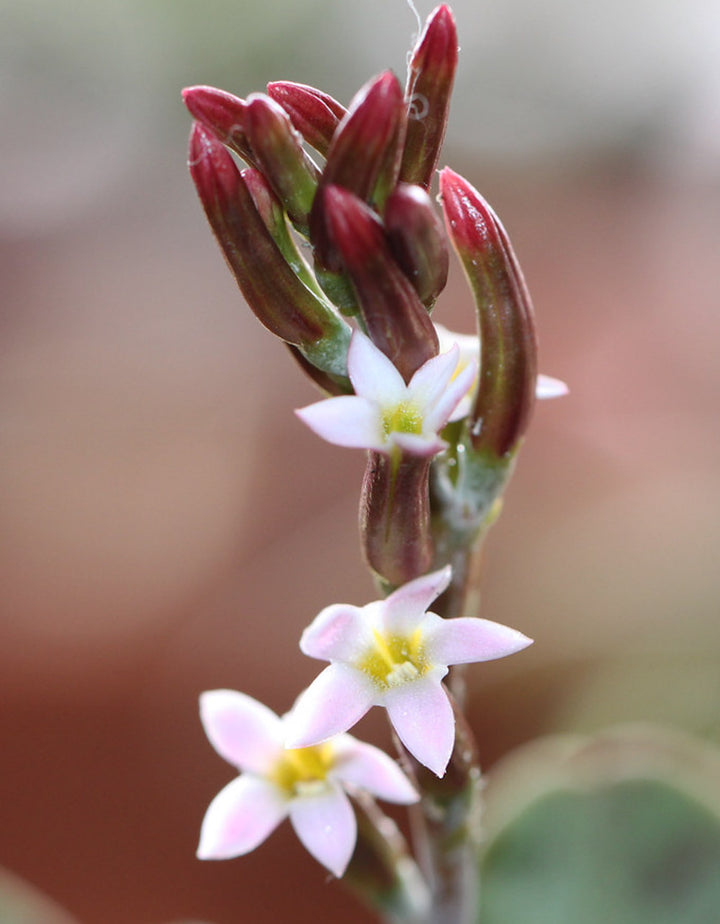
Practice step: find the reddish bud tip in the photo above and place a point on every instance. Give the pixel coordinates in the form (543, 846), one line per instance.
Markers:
(223, 114)
(313, 113)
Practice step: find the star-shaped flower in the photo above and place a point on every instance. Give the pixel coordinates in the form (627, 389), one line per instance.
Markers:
(385, 414)
(307, 784)
(546, 386)
(393, 653)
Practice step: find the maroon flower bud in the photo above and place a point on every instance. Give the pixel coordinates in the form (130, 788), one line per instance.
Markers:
(272, 290)
(395, 517)
(508, 343)
(429, 85)
(223, 114)
(364, 154)
(279, 153)
(313, 113)
(396, 320)
(417, 240)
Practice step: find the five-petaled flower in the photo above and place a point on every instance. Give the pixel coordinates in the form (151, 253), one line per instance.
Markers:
(306, 784)
(393, 653)
(385, 414)
(469, 345)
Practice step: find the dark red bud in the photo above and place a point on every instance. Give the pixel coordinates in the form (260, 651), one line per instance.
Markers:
(223, 114)
(417, 240)
(506, 325)
(396, 320)
(429, 86)
(313, 113)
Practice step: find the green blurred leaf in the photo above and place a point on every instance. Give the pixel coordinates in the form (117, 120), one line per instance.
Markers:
(621, 828)
(22, 903)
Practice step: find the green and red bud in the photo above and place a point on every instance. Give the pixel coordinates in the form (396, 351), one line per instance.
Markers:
(316, 115)
(278, 152)
(272, 290)
(396, 320)
(223, 114)
(506, 326)
(430, 80)
(417, 240)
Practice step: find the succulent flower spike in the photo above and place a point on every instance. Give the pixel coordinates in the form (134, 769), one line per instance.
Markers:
(313, 113)
(386, 415)
(469, 344)
(364, 154)
(223, 114)
(417, 240)
(429, 85)
(279, 153)
(306, 785)
(272, 290)
(508, 363)
(395, 318)
(393, 653)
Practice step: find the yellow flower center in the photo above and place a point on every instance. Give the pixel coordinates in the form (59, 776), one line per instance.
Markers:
(402, 418)
(303, 771)
(395, 659)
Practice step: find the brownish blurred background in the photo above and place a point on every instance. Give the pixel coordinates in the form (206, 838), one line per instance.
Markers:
(168, 526)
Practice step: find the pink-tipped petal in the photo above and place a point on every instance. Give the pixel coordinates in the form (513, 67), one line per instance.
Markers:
(242, 730)
(337, 699)
(417, 445)
(347, 420)
(423, 718)
(463, 640)
(326, 826)
(405, 608)
(371, 769)
(372, 374)
(548, 387)
(432, 378)
(338, 633)
(240, 817)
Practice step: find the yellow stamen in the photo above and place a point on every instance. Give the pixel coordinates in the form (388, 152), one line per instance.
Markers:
(303, 770)
(395, 659)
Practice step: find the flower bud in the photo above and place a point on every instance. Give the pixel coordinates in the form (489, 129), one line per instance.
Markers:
(272, 290)
(364, 154)
(396, 320)
(313, 113)
(508, 343)
(223, 114)
(395, 517)
(430, 80)
(417, 240)
(279, 153)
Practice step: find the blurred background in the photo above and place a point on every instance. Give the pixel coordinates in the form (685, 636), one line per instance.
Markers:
(168, 526)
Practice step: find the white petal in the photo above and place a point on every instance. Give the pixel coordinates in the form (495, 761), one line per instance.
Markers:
(338, 633)
(423, 718)
(460, 641)
(337, 699)
(372, 374)
(443, 409)
(240, 817)
(432, 378)
(326, 827)
(548, 387)
(347, 420)
(416, 444)
(372, 769)
(242, 730)
(405, 608)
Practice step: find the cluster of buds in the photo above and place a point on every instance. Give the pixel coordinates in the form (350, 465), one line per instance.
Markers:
(335, 242)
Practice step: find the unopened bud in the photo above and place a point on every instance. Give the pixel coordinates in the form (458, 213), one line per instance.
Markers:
(272, 290)
(223, 114)
(396, 320)
(429, 85)
(279, 153)
(313, 113)
(417, 240)
(508, 343)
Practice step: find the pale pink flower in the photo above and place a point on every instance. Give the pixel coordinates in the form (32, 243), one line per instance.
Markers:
(393, 653)
(385, 414)
(307, 784)
(469, 346)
